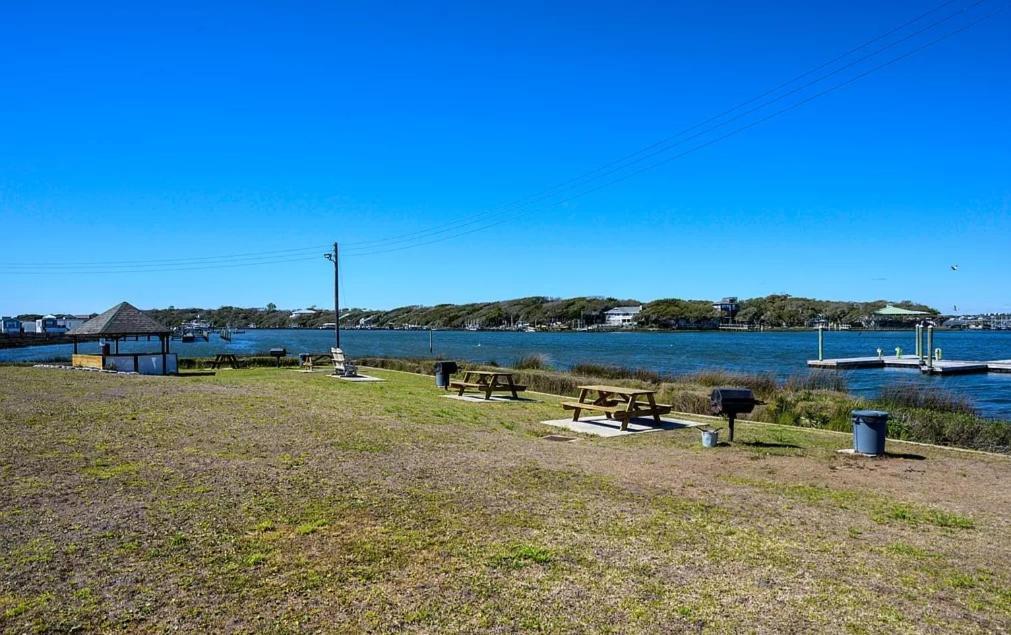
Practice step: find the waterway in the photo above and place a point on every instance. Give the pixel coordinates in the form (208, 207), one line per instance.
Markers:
(781, 353)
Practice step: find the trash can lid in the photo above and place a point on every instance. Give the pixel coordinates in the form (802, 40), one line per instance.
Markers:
(869, 413)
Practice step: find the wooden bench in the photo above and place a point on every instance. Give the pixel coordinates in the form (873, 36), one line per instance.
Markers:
(342, 366)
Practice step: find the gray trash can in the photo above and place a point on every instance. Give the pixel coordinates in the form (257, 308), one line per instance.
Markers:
(443, 370)
(869, 430)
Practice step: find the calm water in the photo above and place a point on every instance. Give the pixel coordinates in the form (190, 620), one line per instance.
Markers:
(780, 353)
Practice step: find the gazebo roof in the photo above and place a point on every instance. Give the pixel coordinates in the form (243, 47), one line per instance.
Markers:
(895, 310)
(122, 319)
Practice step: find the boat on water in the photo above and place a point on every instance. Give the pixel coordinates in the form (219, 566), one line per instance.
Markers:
(193, 330)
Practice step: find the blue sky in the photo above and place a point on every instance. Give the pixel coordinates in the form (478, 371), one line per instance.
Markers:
(161, 141)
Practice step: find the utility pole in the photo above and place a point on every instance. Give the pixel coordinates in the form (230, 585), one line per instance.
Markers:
(334, 257)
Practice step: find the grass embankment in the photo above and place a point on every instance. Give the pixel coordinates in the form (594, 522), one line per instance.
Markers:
(817, 400)
(271, 500)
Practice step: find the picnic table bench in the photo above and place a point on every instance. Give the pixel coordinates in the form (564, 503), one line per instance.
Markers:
(308, 360)
(226, 358)
(617, 402)
(488, 381)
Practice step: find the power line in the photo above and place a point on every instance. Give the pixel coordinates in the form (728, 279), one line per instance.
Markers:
(602, 171)
(707, 143)
(595, 171)
(260, 258)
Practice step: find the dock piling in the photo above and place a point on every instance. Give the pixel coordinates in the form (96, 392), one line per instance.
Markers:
(930, 346)
(821, 343)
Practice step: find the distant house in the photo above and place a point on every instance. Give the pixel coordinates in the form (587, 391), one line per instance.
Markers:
(71, 322)
(727, 306)
(622, 315)
(10, 326)
(299, 313)
(50, 324)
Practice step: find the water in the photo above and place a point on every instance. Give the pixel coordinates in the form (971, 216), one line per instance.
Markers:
(780, 353)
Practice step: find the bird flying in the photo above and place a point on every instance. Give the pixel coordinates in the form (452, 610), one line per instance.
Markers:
(954, 267)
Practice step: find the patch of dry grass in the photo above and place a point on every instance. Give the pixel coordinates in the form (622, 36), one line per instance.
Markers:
(268, 500)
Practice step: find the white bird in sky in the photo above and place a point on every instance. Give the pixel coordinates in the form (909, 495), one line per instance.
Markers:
(954, 267)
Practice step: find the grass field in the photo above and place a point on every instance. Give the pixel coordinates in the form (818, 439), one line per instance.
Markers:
(272, 500)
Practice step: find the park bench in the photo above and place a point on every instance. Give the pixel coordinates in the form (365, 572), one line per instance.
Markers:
(342, 366)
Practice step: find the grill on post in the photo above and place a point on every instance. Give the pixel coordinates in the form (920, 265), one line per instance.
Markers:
(277, 354)
(731, 402)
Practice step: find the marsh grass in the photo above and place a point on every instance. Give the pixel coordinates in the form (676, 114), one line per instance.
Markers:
(533, 361)
(909, 395)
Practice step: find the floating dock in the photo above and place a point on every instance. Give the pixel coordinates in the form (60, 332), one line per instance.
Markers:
(938, 367)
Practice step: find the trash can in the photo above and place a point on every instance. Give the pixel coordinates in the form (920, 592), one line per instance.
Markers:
(869, 430)
(442, 372)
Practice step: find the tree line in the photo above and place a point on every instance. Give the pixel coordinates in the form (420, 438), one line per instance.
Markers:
(776, 311)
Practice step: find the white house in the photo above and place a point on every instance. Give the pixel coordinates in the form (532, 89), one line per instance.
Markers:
(71, 322)
(622, 315)
(10, 326)
(49, 324)
(301, 313)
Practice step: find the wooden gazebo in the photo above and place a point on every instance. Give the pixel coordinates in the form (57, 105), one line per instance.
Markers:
(124, 322)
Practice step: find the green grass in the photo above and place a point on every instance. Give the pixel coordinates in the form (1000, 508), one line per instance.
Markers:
(269, 500)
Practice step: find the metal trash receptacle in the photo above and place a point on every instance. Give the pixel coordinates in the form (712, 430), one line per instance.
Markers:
(443, 370)
(870, 427)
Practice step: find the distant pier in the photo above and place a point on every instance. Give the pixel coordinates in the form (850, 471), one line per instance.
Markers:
(933, 367)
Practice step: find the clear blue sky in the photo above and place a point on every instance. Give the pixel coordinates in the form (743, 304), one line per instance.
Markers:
(198, 130)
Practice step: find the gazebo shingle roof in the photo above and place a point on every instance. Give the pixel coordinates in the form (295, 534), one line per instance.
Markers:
(122, 319)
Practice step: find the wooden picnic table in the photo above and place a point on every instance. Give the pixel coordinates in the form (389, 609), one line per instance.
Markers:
(488, 381)
(225, 358)
(617, 401)
(308, 360)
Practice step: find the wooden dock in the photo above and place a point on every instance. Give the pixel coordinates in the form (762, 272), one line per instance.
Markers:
(939, 367)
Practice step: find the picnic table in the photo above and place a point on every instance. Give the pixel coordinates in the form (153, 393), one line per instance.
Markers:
(488, 381)
(225, 358)
(617, 401)
(308, 360)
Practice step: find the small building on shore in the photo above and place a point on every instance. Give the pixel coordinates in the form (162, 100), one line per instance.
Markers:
(622, 316)
(50, 324)
(10, 326)
(124, 323)
(891, 316)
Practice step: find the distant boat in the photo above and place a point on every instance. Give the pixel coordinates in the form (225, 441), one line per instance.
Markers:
(188, 338)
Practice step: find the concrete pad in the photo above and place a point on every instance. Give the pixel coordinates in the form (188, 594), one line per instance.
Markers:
(604, 427)
(473, 398)
(357, 378)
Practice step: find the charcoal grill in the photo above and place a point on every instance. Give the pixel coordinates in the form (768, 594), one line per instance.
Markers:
(730, 402)
(278, 353)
